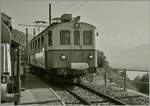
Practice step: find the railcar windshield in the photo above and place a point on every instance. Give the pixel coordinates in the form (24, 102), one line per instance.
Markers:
(87, 37)
(76, 37)
(64, 37)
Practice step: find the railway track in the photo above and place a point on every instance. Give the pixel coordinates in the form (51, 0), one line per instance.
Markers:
(58, 98)
(129, 98)
(90, 96)
(45, 97)
(79, 94)
(63, 96)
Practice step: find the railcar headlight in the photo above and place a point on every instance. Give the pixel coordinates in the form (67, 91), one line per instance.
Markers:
(76, 25)
(63, 57)
(90, 56)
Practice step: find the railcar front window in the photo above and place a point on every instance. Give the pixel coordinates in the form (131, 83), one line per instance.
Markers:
(76, 37)
(65, 37)
(87, 38)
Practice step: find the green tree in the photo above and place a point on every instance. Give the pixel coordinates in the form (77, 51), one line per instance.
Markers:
(144, 86)
(101, 59)
(142, 83)
(136, 81)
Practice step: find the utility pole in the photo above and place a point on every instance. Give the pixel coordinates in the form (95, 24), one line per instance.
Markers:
(27, 54)
(49, 14)
(124, 79)
(37, 25)
(26, 61)
(18, 82)
(105, 76)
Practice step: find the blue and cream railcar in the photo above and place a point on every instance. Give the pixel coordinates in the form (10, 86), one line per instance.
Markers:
(65, 49)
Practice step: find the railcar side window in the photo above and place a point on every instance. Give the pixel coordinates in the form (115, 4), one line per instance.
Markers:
(30, 47)
(39, 44)
(36, 45)
(76, 37)
(33, 46)
(42, 43)
(87, 38)
(65, 37)
(50, 38)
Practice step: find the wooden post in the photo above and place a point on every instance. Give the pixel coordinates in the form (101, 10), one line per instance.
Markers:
(124, 79)
(105, 76)
(18, 82)
(13, 59)
(49, 14)
(0, 65)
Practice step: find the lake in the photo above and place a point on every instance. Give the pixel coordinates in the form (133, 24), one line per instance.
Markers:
(133, 74)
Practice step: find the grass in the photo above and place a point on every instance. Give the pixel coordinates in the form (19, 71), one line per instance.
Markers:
(115, 76)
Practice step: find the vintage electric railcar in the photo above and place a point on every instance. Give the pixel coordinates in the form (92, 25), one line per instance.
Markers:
(66, 48)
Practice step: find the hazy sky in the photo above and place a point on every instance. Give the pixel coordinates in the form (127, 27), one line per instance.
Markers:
(121, 24)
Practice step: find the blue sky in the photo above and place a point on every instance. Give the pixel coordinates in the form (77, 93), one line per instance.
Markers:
(121, 24)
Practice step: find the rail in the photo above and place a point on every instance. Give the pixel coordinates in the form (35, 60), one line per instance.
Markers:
(78, 97)
(59, 99)
(114, 100)
(51, 90)
(140, 70)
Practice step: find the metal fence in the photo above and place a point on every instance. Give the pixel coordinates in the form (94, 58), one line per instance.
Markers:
(120, 77)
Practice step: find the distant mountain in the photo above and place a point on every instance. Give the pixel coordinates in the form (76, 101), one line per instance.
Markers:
(134, 57)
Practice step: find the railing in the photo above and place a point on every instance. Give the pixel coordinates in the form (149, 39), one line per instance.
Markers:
(123, 77)
(139, 70)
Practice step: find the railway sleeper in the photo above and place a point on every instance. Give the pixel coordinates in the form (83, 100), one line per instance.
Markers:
(80, 98)
(114, 100)
(128, 97)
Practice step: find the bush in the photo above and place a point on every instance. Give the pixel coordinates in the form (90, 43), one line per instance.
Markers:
(101, 59)
(142, 83)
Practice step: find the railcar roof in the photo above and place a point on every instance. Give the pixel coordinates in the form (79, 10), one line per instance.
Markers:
(56, 24)
(52, 25)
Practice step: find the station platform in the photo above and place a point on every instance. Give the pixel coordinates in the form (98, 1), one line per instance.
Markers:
(37, 93)
(27, 98)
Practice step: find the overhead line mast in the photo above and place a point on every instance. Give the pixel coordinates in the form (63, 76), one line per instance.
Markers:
(49, 14)
(36, 25)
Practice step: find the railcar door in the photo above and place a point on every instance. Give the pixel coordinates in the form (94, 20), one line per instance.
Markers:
(76, 52)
